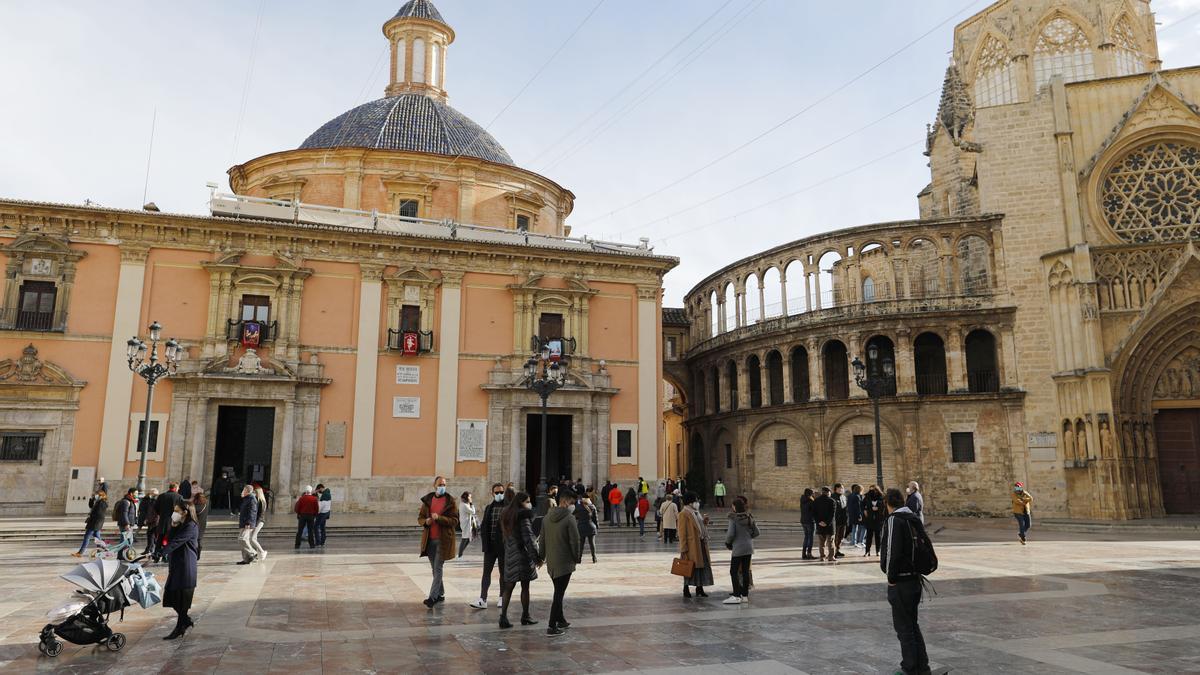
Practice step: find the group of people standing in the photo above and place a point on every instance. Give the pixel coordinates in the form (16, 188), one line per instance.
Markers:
(833, 518)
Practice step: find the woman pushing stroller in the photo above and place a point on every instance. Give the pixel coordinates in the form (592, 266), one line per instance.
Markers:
(182, 552)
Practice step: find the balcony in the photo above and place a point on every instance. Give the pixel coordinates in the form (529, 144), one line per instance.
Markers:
(42, 322)
(931, 384)
(983, 381)
(396, 341)
(234, 331)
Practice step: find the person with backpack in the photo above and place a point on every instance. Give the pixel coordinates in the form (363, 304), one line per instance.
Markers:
(125, 513)
(907, 556)
(739, 539)
(1022, 505)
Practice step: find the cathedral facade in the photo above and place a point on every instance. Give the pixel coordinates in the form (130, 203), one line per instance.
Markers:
(1040, 321)
(358, 312)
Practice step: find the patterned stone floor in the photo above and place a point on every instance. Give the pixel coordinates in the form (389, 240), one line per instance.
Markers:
(1065, 603)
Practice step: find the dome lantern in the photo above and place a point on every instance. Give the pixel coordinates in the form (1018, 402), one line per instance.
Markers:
(419, 36)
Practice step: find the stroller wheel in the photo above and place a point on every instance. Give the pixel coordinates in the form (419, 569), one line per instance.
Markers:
(116, 642)
(52, 648)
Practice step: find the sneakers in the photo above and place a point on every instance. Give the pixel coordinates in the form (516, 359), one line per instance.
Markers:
(76, 554)
(554, 632)
(839, 554)
(478, 604)
(245, 562)
(500, 602)
(263, 556)
(1022, 540)
(732, 600)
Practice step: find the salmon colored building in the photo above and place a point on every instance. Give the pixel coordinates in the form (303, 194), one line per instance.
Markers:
(358, 312)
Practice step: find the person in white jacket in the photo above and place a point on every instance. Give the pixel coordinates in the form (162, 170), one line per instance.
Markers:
(670, 521)
(466, 514)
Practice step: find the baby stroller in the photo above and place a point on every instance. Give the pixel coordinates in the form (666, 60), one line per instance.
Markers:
(105, 586)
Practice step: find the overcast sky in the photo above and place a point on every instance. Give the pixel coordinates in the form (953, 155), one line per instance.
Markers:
(618, 116)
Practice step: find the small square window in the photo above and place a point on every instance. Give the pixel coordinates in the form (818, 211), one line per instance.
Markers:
(670, 349)
(624, 443)
(728, 456)
(781, 452)
(410, 318)
(523, 223)
(20, 446)
(256, 308)
(550, 326)
(864, 449)
(962, 446)
(153, 447)
(409, 208)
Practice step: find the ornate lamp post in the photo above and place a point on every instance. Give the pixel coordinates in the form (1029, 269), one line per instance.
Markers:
(143, 360)
(875, 378)
(545, 373)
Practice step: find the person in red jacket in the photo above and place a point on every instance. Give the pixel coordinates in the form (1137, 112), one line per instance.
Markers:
(306, 509)
(643, 507)
(614, 499)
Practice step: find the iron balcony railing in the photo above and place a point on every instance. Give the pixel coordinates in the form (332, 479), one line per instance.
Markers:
(267, 330)
(395, 340)
(931, 384)
(46, 322)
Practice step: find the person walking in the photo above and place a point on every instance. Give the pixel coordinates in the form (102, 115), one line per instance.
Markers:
(438, 519)
(200, 506)
(897, 560)
(491, 540)
(916, 501)
(1022, 505)
(604, 500)
(854, 515)
(643, 508)
(145, 511)
(94, 522)
(125, 513)
(521, 561)
(719, 493)
(614, 503)
(247, 519)
(587, 520)
(840, 519)
(164, 506)
(670, 520)
(260, 521)
(631, 500)
(182, 553)
(824, 510)
(559, 547)
(306, 508)
(324, 509)
(807, 522)
(874, 512)
(739, 539)
(693, 546)
(468, 522)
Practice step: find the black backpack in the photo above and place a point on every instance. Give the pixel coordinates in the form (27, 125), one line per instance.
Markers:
(924, 559)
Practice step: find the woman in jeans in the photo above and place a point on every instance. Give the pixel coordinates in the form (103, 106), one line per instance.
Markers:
(806, 519)
(262, 522)
(739, 538)
(95, 521)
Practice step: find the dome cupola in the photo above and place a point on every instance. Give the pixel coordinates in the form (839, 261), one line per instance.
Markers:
(419, 36)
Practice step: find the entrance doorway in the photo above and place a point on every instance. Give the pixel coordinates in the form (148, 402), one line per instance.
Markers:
(243, 451)
(558, 449)
(1177, 433)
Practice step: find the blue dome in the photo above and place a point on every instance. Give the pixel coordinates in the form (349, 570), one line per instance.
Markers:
(412, 122)
(420, 9)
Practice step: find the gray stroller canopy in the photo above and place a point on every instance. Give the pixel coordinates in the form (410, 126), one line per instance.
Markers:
(97, 576)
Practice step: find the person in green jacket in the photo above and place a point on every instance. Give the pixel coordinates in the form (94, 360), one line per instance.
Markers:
(719, 493)
(559, 547)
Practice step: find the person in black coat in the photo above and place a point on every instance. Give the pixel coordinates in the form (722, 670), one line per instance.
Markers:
(182, 553)
(185, 489)
(631, 500)
(164, 506)
(247, 520)
(823, 511)
(874, 513)
(95, 521)
(125, 513)
(840, 519)
(587, 521)
(521, 561)
(491, 538)
(806, 520)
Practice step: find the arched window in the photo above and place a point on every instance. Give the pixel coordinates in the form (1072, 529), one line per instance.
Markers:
(716, 389)
(775, 377)
(752, 286)
(994, 81)
(1062, 49)
(929, 360)
(754, 375)
(797, 287)
(837, 371)
(713, 317)
(1153, 192)
(800, 392)
(982, 375)
(868, 290)
(973, 264)
(698, 404)
(1128, 55)
(885, 350)
(418, 71)
(435, 69)
(924, 270)
(772, 293)
(731, 307)
(400, 60)
(731, 377)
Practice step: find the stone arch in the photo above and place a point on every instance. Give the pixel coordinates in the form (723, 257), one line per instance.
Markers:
(839, 443)
(754, 380)
(836, 366)
(795, 273)
(698, 460)
(981, 349)
(1081, 64)
(780, 460)
(773, 364)
(929, 363)
(723, 456)
(975, 265)
(924, 267)
(772, 291)
(750, 297)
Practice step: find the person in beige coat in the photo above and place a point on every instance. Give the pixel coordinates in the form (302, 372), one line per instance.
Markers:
(693, 545)
(670, 520)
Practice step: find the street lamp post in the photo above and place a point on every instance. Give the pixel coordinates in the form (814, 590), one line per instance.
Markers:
(875, 378)
(143, 361)
(545, 373)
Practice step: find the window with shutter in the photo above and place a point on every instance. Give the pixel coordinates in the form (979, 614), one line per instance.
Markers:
(962, 446)
(864, 449)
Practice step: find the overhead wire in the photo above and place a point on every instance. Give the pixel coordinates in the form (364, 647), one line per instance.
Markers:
(775, 127)
(237, 127)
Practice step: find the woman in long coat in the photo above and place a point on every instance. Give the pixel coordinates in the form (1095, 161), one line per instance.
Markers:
(586, 519)
(182, 553)
(95, 521)
(521, 561)
(693, 545)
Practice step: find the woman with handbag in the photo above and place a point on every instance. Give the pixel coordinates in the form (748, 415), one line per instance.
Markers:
(182, 552)
(693, 546)
(521, 561)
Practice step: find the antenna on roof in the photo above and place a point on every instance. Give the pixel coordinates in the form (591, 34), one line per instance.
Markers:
(149, 154)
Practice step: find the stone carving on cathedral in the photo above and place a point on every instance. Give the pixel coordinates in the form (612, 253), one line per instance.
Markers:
(1106, 441)
(1069, 442)
(1181, 377)
(249, 364)
(29, 369)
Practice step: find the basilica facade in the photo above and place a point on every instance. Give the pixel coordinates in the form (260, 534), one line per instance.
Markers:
(358, 312)
(1040, 321)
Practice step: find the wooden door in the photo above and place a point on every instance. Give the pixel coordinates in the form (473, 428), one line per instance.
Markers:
(1178, 436)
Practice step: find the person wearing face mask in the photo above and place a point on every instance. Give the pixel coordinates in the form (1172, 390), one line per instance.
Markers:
(1022, 506)
(182, 552)
(915, 501)
(559, 547)
(588, 522)
(840, 519)
(492, 541)
(467, 524)
(438, 519)
(693, 545)
(521, 560)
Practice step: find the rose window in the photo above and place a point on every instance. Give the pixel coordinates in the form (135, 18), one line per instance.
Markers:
(1153, 193)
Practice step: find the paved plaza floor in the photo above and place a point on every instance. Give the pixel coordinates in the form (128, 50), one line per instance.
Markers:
(1065, 603)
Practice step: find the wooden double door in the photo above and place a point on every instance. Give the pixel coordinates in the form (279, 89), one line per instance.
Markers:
(1177, 433)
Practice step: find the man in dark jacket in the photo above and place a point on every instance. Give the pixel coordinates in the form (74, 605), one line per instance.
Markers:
(559, 547)
(823, 511)
(164, 506)
(854, 514)
(125, 513)
(247, 518)
(840, 519)
(604, 500)
(492, 541)
(307, 507)
(904, 583)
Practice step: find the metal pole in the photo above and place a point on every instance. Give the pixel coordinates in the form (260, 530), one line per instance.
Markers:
(141, 483)
(545, 480)
(878, 449)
